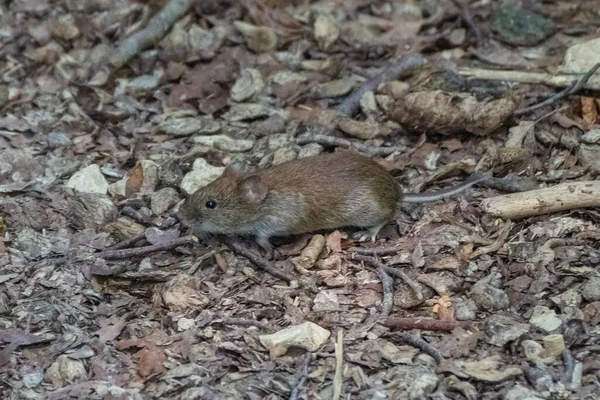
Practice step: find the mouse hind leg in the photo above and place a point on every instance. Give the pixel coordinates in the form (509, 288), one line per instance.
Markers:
(369, 234)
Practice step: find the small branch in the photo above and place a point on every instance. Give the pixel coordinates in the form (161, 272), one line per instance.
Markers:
(374, 251)
(127, 242)
(561, 197)
(243, 322)
(392, 271)
(142, 251)
(497, 245)
(427, 324)
(415, 340)
(388, 293)
(558, 81)
(563, 93)
(573, 88)
(468, 19)
(339, 364)
(257, 260)
(510, 184)
(569, 366)
(402, 66)
(154, 30)
(327, 140)
(303, 376)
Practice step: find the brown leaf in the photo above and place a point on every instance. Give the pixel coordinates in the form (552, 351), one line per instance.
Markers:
(589, 112)
(221, 262)
(135, 180)
(334, 242)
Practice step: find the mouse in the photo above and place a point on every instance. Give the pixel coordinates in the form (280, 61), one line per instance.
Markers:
(322, 192)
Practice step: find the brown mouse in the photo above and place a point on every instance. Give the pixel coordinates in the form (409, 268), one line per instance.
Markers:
(329, 191)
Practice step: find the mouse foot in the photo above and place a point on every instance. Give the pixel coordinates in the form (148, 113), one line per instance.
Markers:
(368, 235)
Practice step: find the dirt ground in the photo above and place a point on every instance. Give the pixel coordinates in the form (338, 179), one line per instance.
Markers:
(113, 112)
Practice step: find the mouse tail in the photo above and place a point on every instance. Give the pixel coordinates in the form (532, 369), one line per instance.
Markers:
(445, 193)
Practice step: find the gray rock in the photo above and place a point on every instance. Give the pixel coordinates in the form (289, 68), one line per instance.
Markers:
(545, 319)
(465, 309)
(188, 126)
(519, 27)
(249, 84)
(202, 174)
(283, 155)
(225, 143)
(247, 112)
(278, 141)
(88, 180)
(500, 329)
(33, 244)
(335, 88)
(522, 393)
(591, 289)
(487, 295)
(163, 199)
(311, 149)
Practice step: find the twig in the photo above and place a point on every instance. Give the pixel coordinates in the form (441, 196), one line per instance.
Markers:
(559, 81)
(415, 340)
(374, 251)
(304, 375)
(573, 88)
(468, 19)
(127, 242)
(142, 251)
(339, 364)
(569, 366)
(388, 293)
(497, 245)
(345, 143)
(399, 67)
(154, 30)
(427, 324)
(510, 184)
(243, 322)
(392, 271)
(561, 197)
(257, 260)
(563, 93)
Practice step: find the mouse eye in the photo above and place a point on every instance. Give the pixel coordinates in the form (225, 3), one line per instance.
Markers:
(211, 204)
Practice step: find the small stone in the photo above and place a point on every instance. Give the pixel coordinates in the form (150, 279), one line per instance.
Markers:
(33, 244)
(181, 294)
(591, 289)
(591, 313)
(591, 137)
(335, 88)
(394, 89)
(423, 386)
(520, 27)
(188, 126)
(142, 85)
(286, 76)
(163, 199)
(278, 141)
(368, 105)
(246, 111)
(309, 150)
(33, 379)
(488, 296)
(581, 57)
(522, 393)
(283, 155)
(183, 324)
(65, 370)
(260, 39)
(58, 139)
(203, 43)
(545, 319)
(225, 143)
(64, 27)
(307, 335)
(88, 180)
(249, 84)
(589, 156)
(363, 129)
(201, 175)
(465, 309)
(326, 31)
(534, 352)
(170, 173)
(500, 330)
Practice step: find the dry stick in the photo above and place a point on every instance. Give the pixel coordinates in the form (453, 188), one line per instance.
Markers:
(374, 251)
(468, 19)
(339, 363)
(155, 29)
(127, 242)
(257, 260)
(392, 271)
(569, 366)
(327, 140)
(428, 324)
(510, 184)
(527, 77)
(415, 340)
(396, 69)
(142, 251)
(573, 88)
(561, 197)
(296, 390)
(497, 245)
(388, 293)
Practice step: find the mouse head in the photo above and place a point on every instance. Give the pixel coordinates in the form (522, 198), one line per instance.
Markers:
(227, 204)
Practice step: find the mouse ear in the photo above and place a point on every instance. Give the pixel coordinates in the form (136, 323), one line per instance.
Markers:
(236, 168)
(253, 189)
